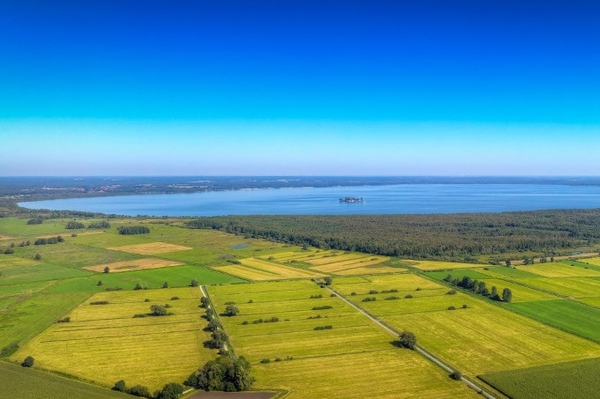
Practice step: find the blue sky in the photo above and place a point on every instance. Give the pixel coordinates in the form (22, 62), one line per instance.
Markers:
(297, 88)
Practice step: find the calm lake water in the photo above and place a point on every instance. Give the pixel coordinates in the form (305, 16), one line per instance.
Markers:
(405, 198)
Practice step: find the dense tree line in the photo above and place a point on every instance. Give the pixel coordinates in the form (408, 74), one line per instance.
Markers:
(129, 230)
(225, 373)
(480, 288)
(454, 236)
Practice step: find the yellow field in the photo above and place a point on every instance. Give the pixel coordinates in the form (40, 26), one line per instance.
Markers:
(559, 270)
(261, 270)
(354, 359)
(131, 265)
(571, 287)
(592, 261)
(479, 339)
(4, 237)
(151, 248)
(370, 270)
(595, 302)
(429, 265)
(383, 374)
(344, 258)
(104, 343)
(519, 293)
(350, 264)
(302, 255)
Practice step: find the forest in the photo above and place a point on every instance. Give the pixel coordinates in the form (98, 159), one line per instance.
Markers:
(443, 236)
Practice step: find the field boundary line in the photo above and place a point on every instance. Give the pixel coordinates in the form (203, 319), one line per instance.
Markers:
(419, 349)
(228, 345)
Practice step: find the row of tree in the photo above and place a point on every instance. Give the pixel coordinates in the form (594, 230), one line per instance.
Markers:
(130, 230)
(480, 288)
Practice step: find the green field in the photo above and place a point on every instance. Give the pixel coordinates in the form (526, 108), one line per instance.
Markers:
(459, 274)
(178, 276)
(26, 319)
(23, 383)
(508, 272)
(577, 379)
(567, 315)
(105, 343)
(326, 363)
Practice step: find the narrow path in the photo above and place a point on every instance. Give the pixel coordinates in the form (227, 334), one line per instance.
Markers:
(417, 348)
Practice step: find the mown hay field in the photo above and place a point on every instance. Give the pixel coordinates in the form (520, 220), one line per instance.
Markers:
(374, 269)
(263, 270)
(578, 379)
(330, 363)
(131, 265)
(568, 287)
(478, 339)
(426, 265)
(105, 343)
(559, 269)
(23, 383)
(151, 248)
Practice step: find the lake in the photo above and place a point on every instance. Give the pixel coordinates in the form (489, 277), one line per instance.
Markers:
(403, 198)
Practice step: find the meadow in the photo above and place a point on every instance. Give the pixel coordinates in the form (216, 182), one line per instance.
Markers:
(578, 379)
(105, 343)
(323, 363)
(461, 336)
(18, 382)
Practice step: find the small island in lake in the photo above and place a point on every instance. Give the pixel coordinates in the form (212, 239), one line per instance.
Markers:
(353, 200)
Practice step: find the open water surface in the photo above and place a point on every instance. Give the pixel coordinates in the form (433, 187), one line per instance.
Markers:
(404, 198)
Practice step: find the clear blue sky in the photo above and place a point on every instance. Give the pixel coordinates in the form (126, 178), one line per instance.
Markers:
(479, 87)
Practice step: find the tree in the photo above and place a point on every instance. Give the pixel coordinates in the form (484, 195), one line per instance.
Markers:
(456, 375)
(28, 362)
(494, 295)
(231, 310)
(107, 269)
(140, 390)
(120, 386)
(158, 310)
(138, 286)
(37, 257)
(171, 391)
(194, 283)
(408, 340)
(204, 302)
(99, 283)
(507, 263)
(507, 295)
(328, 280)
(165, 285)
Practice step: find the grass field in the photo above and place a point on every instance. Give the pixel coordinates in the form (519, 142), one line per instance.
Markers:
(32, 316)
(382, 374)
(151, 248)
(479, 339)
(508, 272)
(178, 276)
(36, 271)
(329, 363)
(519, 292)
(104, 343)
(131, 265)
(568, 287)
(570, 316)
(559, 270)
(23, 383)
(577, 379)
(426, 265)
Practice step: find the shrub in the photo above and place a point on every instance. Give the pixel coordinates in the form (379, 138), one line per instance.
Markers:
(165, 285)
(391, 298)
(451, 292)
(64, 320)
(194, 283)
(140, 390)
(265, 361)
(456, 375)
(37, 257)
(464, 306)
(316, 296)
(138, 286)
(99, 283)
(369, 299)
(373, 292)
(28, 362)
(107, 269)
(158, 310)
(99, 225)
(35, 221)
(353, 293)
(174, 298)
(139, 315)
(120, 386)
(170, 391)
(146, 300)
(328, 327)
(99, 302)
(408, 340)
(451, 308)
(73, 225)
(9, 350)
(231, 310)
(130, 230)
(322, 307)
(408, 296)
(9, 251)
